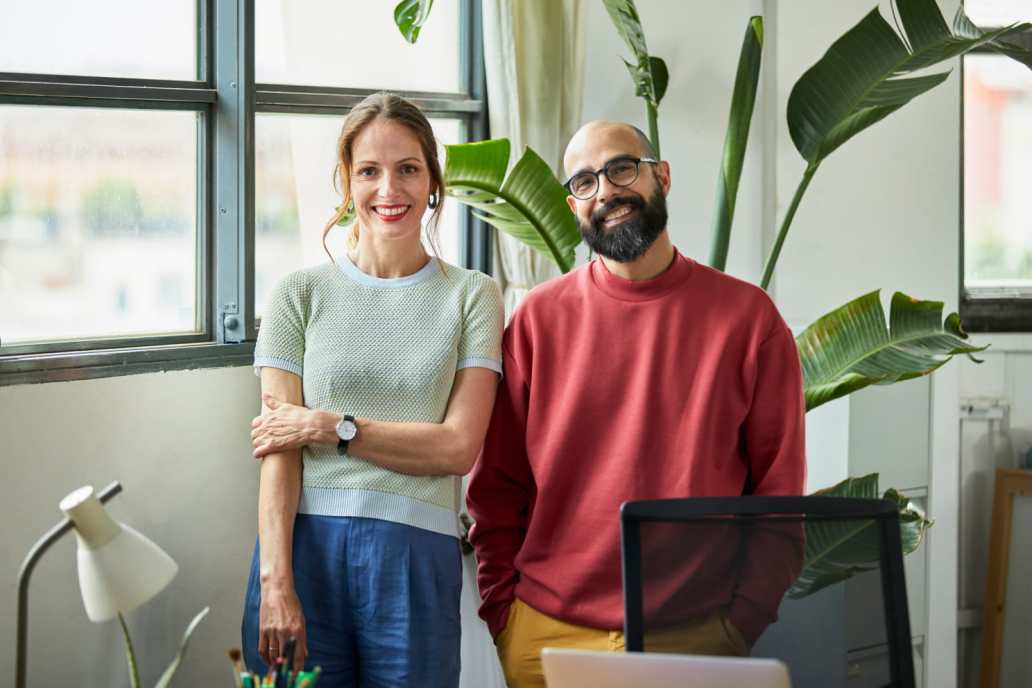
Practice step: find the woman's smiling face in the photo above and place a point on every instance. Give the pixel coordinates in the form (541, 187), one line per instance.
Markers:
(390, 182)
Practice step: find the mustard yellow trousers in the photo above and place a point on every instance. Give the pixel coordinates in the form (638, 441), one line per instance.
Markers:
(527, 631)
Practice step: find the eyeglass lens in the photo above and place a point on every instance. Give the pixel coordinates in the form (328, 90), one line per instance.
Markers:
(618, 172)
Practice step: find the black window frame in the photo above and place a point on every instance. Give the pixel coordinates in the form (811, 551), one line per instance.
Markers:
(228, 98)
(988, 310)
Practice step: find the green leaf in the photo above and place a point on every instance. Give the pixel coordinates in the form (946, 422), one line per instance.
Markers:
(865, 75)
(641, 83)
(660, 77)
(851, 348)
(838, 550)
(410, 15)
(529, 205)
(966, 28)
(166, 678)
(743, 99)
(625, 18)
(649, 73)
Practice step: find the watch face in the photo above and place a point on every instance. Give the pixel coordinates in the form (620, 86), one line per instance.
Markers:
(347, 429)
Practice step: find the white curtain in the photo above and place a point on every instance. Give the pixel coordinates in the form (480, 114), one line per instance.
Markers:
(534, 59)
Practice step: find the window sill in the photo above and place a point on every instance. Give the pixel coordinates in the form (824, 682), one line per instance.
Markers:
(88, 365)
(996, 315)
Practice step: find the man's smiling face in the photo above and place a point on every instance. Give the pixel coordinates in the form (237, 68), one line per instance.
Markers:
(618, 222)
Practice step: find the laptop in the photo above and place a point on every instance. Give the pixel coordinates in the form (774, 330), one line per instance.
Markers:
(598, 669)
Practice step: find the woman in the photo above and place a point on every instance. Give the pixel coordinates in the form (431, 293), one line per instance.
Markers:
(378, 372)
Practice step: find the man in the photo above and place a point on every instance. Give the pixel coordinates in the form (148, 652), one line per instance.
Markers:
(641, 375)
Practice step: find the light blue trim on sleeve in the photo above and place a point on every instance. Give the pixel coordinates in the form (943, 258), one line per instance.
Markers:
(273, 362)
(479, 362)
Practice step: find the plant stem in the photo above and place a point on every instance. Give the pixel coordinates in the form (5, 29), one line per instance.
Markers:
(721, 242)
(653, 117)
(775, 251)
(130, 655)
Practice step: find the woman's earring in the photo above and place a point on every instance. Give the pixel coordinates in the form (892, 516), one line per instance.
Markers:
(350, 210)
(432, 203)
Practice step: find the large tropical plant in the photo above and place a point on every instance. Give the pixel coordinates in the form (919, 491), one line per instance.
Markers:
(866, 75)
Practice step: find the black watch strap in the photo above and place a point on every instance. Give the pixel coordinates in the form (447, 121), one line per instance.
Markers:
(342, 444)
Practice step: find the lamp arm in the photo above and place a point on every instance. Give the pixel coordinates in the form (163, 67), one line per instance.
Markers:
(41, 546)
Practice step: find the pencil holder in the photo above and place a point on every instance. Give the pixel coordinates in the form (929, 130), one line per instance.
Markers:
(307, 679)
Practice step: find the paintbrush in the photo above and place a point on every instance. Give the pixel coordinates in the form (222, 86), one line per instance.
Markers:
(288, 661)
(238, 667)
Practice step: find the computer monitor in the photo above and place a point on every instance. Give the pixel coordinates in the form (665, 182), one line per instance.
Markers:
(783, 561)
(566, 668)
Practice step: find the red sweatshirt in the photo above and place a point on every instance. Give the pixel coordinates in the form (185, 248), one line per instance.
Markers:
(685, 385)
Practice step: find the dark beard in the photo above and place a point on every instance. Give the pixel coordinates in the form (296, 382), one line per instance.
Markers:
(630, 239)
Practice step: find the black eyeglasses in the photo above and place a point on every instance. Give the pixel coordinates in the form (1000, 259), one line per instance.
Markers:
(619, 172)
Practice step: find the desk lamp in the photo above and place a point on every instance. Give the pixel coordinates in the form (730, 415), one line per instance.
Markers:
(119, 569)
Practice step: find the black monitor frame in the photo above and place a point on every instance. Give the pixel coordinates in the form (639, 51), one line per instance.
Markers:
(884, 512)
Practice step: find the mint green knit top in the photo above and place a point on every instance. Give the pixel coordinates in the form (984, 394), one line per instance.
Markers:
(386, 349)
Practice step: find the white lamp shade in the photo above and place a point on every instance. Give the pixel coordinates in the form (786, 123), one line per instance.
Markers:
(119, 569)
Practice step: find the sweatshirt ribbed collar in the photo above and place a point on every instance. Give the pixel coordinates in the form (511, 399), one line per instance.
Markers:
(641, 290)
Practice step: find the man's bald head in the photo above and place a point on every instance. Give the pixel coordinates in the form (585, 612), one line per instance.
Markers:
(600, 132)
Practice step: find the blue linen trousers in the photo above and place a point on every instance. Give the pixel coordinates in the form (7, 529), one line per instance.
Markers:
(380, 599)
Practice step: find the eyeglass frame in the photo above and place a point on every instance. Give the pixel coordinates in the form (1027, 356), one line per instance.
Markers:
(605, 170)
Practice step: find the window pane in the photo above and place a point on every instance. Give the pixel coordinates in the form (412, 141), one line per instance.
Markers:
(997, 172)
(355, 44)
(118, 38)
(98, 229)
(997, 12)
(295, 196)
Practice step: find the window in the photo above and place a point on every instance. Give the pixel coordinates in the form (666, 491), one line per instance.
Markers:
(162, 166)
(997, 175)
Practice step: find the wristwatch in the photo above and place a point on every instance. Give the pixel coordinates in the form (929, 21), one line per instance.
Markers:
(346, 431)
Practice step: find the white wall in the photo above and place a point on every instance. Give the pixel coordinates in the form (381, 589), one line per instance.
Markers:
(179, 444)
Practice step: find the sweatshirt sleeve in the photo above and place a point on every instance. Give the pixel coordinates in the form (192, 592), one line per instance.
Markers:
(774, 442)
(500, 494)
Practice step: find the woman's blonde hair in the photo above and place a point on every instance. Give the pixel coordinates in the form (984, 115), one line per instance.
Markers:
(393, 108)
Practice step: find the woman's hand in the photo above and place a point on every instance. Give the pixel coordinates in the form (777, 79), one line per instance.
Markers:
(286, 426)
(279, 619)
